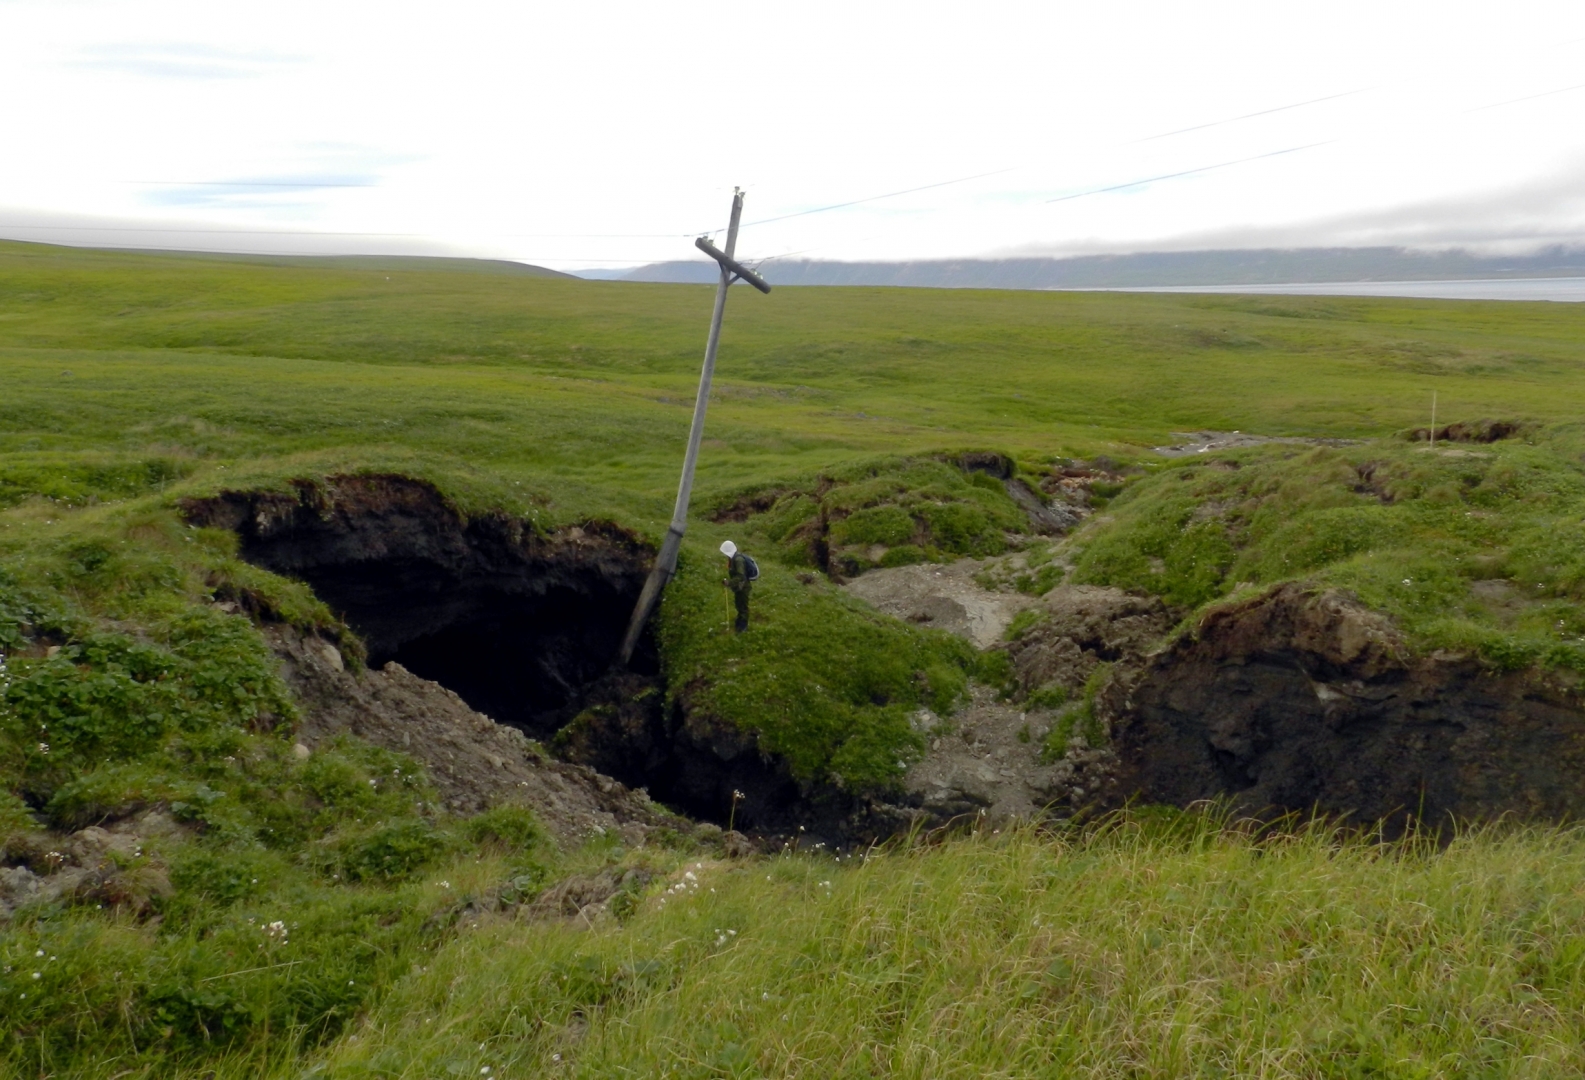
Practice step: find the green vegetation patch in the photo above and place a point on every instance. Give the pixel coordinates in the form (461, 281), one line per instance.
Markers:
(1471, 547)
(885, 512)
(820, 679)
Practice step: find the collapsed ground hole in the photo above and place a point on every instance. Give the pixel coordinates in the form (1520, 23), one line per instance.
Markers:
(523, 626)
(518, 624)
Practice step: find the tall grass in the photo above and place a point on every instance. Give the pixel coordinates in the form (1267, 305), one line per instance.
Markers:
(1174, 949)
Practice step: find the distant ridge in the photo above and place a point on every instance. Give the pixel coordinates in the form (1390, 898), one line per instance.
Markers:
(1270, 266)
(340, 262)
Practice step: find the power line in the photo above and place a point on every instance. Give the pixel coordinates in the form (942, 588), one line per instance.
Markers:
(888, 195)
(1250, 116)
(1190, 172)
(1527, 97)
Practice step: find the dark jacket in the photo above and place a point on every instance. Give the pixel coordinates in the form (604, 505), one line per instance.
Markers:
(737, 574)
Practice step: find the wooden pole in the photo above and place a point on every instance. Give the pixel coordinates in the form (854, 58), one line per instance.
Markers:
(666, 562)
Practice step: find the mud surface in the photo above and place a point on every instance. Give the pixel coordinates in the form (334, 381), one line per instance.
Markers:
(1302, 699)
(992, 757)
(516, 622)
(988, 759)
(474, 762)
(944, 597)
(1086, 626)
(1204, 442)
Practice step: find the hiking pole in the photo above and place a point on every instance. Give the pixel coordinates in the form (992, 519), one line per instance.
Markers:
(666, 561)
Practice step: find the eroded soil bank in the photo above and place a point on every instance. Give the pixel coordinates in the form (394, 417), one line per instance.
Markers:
(1302, 699)
(1297, 699)
(482, 630)
(518, 623)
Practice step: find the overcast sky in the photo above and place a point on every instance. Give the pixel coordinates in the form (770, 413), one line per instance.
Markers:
(580, 135)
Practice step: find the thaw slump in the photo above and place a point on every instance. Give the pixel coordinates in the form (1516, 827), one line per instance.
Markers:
(519, 624)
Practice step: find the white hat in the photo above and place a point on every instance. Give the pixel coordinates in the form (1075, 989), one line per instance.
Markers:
(728, 548)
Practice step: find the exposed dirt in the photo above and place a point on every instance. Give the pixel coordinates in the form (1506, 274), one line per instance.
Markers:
(944, 597)
(987, 759)
(1302, 699)
(474, 761)
(516, 622)
(1087, 626)
(1473, 431)
(116, 866)
(1204, 442)
(467, 622)
(990, 757)
(690, 761)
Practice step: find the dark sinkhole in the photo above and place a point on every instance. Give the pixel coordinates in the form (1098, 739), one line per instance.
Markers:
(523, 626)
(519, 624)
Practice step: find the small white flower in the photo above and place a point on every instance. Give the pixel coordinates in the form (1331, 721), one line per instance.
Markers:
(39, 953)
(44, 747)
(38, 974)
(1408, 581)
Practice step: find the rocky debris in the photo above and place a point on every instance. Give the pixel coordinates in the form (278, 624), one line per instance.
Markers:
(1084, 627)
(1046, 517)
(1071, 483)
(107, 866)
(1302, 699)
(474, 761)
(987, 760)
(1204, 442)
(583, 898)
(944, 597)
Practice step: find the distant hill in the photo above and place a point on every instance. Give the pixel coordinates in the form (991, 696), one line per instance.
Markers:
(343, 262)
(1149, 269)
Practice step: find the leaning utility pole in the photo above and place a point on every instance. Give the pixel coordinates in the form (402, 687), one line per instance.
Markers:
(666, 562)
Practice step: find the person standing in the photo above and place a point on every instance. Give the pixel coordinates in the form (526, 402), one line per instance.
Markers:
(740, 580)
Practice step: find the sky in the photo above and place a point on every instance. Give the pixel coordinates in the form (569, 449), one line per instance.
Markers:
(584, 135)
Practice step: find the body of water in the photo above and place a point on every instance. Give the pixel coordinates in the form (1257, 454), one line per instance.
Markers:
(1569, 289)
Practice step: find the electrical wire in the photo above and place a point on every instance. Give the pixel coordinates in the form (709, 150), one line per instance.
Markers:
(1190, 172)
(1250, 116)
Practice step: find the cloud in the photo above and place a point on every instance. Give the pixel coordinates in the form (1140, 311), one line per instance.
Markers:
(103, 231)
(1540, 212)
(182, 60)
(251, 192)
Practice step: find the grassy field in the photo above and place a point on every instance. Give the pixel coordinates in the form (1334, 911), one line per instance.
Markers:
(1152, 947)
(576, 385)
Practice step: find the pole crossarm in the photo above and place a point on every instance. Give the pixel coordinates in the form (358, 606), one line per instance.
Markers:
(729, 263)
(666, 561)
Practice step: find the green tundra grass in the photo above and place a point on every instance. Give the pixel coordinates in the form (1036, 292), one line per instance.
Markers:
(1142, 948)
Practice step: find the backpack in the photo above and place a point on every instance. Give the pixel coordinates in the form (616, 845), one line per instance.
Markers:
(750, 567)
